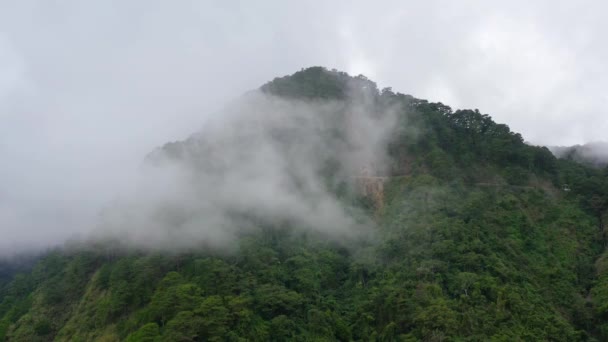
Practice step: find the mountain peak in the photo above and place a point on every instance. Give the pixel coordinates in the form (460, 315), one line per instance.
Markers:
(318, 83)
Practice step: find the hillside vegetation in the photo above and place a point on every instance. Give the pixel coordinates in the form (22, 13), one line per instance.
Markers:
(479, 237)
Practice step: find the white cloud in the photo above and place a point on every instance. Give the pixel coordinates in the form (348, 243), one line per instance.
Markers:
(87, 88)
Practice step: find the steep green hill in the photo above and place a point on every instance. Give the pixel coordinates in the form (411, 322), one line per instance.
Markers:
(477, 237)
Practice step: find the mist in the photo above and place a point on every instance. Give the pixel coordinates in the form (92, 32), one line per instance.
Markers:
(593, 153)
(87, 90)
(263, 161)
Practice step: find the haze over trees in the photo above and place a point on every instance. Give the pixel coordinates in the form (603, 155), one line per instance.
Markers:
(478, 236)
(593, 154)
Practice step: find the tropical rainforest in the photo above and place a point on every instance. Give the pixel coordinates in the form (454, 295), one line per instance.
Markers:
(478, 236)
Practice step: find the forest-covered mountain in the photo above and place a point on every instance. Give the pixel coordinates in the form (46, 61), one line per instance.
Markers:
(474, 236)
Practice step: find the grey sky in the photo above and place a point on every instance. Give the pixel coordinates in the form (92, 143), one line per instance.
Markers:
(88, 88)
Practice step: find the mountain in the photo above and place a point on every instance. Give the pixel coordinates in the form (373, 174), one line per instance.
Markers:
(323, 208)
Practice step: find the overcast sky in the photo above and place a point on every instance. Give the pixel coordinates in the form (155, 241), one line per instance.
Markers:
(88, 88)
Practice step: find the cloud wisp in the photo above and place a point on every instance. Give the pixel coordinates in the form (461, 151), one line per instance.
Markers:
(264, 161)
(87, 89)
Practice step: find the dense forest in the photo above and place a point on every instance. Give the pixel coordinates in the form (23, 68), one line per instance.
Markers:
(478, 236)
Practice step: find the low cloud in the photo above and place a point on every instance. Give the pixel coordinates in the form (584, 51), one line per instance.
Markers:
(88, 88)
(594, 153)
(264, 160)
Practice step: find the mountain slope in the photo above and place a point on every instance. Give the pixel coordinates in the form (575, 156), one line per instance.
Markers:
(475, 237)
